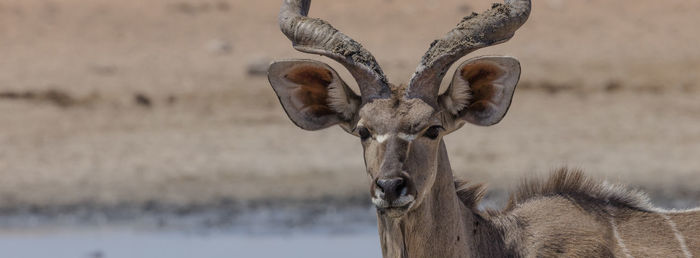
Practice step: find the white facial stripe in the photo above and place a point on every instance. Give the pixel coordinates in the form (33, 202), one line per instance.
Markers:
(382, 137)
(406, 137)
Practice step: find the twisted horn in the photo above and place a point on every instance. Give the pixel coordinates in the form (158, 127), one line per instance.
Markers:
(475, 31)
(316, 36)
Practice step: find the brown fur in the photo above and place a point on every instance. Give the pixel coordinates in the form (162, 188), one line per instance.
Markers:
(480, 77)
(313, 92)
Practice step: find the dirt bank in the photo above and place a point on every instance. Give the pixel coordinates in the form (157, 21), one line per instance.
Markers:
(136, 102)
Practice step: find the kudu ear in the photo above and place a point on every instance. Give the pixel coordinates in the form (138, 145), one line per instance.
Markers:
(482, 89)
(312, 94)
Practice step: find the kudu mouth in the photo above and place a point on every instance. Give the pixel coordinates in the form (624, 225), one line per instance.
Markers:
(402, 202)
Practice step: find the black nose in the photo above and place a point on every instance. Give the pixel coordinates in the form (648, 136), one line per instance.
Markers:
(392, 188)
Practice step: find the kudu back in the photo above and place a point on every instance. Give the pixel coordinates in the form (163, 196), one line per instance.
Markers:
(421, 210)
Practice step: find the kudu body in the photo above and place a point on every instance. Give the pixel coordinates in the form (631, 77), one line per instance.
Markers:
(422, 211)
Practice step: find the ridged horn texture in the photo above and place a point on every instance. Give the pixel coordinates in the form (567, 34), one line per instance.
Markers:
(316, 36)
(475, 31)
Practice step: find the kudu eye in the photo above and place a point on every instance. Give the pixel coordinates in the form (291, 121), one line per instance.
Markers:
(364, 133)
(433, 132)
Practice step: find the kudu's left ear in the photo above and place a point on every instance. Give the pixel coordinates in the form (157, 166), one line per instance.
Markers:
(482, 89)
(312, 94)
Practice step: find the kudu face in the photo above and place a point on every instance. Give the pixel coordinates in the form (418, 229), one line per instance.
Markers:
(400, 128)
(400, 138)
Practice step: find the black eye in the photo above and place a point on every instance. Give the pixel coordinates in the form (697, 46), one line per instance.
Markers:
(433, 132)
(364, 133)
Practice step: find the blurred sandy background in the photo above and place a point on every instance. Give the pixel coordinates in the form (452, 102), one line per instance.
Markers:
(131, 102)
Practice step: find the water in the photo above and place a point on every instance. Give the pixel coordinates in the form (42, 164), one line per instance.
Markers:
(223, 231)
(125, 244)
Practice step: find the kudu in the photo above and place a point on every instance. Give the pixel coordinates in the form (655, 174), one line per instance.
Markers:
(422, 211)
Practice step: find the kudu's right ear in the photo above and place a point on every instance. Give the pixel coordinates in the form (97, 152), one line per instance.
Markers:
(312, 94)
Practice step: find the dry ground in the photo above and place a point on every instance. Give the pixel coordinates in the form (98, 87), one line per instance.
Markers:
(131, 101)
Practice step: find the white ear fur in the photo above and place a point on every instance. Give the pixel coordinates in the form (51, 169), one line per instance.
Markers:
(456, 97)
(340, 100)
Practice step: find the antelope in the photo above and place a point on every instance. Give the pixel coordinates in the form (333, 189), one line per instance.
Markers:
(422, 211)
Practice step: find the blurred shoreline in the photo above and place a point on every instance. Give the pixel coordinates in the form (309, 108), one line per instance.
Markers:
(261, 217)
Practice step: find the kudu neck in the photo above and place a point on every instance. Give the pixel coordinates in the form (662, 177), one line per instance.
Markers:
(441, 226)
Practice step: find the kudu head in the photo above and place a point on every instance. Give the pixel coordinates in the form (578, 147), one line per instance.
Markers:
(400, 127)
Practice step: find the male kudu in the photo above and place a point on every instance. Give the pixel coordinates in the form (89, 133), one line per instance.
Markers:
(422, 211)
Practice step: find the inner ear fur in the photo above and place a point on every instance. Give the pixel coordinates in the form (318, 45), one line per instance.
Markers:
(482, 89)
(312, 94)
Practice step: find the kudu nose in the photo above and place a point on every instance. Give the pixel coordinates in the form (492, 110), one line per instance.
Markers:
(392, 188)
